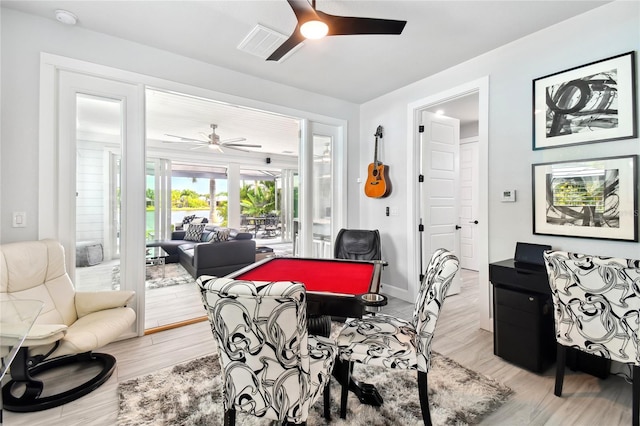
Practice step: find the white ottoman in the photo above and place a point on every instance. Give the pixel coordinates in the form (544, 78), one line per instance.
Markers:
(88, 253)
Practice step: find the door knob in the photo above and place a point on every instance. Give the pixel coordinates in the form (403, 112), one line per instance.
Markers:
(458, 226)
(475, 221)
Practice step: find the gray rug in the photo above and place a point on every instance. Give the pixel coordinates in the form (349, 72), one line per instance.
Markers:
(174, 274)
(190, 394)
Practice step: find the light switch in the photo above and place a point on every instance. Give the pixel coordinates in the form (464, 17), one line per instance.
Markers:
(19, 219)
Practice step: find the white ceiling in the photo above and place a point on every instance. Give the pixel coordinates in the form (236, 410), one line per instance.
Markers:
(438, 35)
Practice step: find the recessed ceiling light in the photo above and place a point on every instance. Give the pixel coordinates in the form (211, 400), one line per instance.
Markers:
(66, 17)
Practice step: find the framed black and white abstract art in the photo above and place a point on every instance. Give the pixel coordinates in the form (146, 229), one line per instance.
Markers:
(596, 198)
(590, 103)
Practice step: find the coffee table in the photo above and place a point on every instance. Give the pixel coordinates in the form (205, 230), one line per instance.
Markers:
(155, 256)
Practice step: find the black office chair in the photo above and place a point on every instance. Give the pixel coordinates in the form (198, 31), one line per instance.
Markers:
(358, 244)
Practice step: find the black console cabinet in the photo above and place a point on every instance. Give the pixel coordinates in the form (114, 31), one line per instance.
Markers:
(523, 329)
(523, 326)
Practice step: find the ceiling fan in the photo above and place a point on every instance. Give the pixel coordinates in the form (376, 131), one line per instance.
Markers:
(313, 23)
(213, 141)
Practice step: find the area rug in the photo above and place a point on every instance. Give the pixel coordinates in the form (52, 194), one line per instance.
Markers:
(190, 394)
(174, 274)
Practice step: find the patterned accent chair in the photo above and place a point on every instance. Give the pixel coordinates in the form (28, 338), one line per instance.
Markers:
(391, 342)
(596, 310)
(271, 367)
(70, 326)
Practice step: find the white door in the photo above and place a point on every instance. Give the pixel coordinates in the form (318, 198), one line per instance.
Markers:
(440, 151)
(321, 200)
(99, 182)
(469, 203)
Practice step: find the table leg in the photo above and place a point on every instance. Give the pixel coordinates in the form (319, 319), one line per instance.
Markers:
(366, 393)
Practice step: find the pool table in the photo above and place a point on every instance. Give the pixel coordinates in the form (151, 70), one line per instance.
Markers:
(335, 287)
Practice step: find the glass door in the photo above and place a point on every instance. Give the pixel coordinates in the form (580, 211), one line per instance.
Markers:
(322, 200)
(322, 193)
(289, 206)
(97, 182)
(98, 188)
(158, 200)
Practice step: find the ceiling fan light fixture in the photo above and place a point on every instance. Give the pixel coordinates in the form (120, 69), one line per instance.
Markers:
(314, 29)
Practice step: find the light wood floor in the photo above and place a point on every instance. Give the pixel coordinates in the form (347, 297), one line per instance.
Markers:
(586, 400)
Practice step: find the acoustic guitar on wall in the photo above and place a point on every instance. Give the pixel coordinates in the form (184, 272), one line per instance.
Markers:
(377, 185)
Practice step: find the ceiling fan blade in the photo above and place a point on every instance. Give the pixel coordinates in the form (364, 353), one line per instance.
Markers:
(246, 145)
(199, 146)
(347, 25)
(185, 139)
(295, 39)
(232, 140)
(302, 9)
(237, 149)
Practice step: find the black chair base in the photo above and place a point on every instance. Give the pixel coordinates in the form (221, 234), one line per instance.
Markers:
(30, 399)
(319, 325)
(368, 394)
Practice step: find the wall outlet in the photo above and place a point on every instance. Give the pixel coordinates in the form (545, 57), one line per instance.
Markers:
(19, 219)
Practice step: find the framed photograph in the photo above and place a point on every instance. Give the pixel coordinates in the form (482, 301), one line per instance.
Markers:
(591, 103)
(587, 198)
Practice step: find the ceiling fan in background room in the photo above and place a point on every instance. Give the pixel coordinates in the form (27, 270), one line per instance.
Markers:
(315, 24)
(213, 141)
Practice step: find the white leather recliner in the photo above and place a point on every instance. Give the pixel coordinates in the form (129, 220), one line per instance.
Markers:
(70, 326)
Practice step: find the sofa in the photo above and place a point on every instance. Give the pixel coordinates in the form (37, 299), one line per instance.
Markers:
(208, 256)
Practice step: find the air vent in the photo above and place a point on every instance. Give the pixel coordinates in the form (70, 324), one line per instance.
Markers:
(262, 42)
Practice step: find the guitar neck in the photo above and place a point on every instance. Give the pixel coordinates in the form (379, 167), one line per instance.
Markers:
(375, 151)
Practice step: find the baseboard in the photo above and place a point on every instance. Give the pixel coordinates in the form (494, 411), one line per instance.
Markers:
(398, 293)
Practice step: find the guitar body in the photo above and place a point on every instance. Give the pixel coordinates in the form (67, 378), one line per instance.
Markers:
(377, 185)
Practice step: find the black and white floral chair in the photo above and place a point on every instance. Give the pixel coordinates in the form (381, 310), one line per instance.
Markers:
(391, 342)
(271, 367)
(596, 310)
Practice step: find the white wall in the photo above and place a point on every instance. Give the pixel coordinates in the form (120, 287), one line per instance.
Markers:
(24, 37)
(606, 31)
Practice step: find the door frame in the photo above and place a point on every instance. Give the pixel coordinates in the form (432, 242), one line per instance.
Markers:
(481, 86)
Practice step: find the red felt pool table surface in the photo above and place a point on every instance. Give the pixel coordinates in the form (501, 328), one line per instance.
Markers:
(317, 275)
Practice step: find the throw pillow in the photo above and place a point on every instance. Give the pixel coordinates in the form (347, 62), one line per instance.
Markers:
(197, 220)
(194, 232)
(187, 219)
(221, 234)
